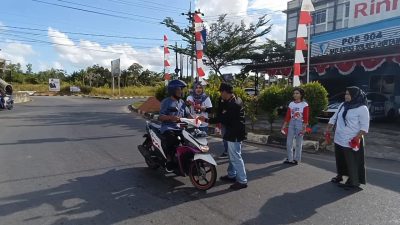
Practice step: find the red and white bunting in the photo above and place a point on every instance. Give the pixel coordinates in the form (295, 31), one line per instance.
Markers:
(198, 27)
(304, 20)
(167, 66)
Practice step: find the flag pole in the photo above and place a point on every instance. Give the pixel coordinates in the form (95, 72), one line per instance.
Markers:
(308, 53)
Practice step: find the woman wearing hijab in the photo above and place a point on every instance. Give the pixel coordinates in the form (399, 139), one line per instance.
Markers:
(352, 123)
(199, 104)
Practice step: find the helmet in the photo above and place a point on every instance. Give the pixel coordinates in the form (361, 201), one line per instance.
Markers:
(173, 85)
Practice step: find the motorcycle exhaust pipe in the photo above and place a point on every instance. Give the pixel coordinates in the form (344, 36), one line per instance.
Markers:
(5, 87)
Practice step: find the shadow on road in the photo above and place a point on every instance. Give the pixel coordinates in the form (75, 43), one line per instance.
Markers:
(113, 196)
(296, 207)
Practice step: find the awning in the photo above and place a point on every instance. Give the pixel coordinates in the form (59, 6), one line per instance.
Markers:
(345, 67)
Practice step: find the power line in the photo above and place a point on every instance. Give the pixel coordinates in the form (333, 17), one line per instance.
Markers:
(145, 6)
(89, 34)
(97, 12)
(78, 40)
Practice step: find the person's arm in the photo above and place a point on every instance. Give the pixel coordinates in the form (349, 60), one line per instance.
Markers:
(364, 122)
(287, 118)
(333, 120)
(207, 106)
(306, 116)
(164, 114)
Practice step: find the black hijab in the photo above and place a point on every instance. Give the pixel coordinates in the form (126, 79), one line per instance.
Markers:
(358, 98)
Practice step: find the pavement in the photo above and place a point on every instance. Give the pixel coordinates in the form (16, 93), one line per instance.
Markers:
(73, 160)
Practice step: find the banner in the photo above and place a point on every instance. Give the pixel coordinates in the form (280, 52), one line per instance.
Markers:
(369, 11)
(54, 84)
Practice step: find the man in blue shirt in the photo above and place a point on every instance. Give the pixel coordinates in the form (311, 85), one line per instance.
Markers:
(172, 109)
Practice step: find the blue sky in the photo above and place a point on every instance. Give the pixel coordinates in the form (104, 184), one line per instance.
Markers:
(33, 31)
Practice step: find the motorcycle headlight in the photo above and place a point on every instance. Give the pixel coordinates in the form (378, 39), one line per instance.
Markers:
(204, 148)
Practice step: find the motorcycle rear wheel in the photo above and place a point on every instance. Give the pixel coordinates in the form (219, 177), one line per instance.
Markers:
(203, 175)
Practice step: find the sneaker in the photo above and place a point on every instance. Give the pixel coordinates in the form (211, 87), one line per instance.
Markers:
(238, 186)
(224, 155)
(228, 179)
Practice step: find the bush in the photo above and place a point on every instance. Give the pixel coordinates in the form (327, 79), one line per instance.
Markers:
(86, 90)
(317, 98)
(161, 92)
(270, 99)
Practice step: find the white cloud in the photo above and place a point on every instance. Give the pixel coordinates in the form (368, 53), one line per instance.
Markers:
(85, 53)
(272, 5)
(16, 52)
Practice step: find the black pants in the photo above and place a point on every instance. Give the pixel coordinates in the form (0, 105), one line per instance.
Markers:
(171, 141)
(351, 163)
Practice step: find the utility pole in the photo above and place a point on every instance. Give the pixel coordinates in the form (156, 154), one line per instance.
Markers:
(190, 18)
(176, 60)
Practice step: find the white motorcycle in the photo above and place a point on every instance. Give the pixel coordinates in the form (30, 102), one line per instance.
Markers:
(191, 159)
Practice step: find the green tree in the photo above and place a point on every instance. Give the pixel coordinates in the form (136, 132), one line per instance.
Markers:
(226, 41)
(29, 68)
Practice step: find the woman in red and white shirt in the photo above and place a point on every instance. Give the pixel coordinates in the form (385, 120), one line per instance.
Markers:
(296, 122)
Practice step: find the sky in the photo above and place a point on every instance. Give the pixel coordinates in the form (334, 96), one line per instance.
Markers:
(75, 34)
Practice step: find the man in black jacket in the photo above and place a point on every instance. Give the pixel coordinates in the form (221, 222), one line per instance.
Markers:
(232, 117)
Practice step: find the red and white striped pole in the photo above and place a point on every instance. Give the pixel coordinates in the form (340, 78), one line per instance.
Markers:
(167, 66)
(198, 27)
(304, 20)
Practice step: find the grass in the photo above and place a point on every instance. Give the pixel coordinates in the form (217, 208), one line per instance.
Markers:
(128, 91)
(101, 91)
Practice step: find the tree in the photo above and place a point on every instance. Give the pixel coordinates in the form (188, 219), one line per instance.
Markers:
(272, 52)
(29, 68)
(134, 72)
(226, 41)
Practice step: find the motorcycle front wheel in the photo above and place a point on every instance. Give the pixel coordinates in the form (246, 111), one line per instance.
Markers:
(202, 174)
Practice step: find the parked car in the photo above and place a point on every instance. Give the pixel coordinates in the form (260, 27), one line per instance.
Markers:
(378, 104)
(250, 91)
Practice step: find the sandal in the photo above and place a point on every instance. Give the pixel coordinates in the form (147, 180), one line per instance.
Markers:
(337, 179)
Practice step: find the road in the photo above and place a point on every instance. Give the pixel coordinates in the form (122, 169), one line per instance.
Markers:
(72, 160)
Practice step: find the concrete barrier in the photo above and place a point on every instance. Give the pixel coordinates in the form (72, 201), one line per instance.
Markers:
(21, 97)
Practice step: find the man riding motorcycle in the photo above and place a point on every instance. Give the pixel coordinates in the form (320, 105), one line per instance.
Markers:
(172, 109)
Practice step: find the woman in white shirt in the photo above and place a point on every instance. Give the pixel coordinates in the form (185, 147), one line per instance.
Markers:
(352, 123)
(199, 104)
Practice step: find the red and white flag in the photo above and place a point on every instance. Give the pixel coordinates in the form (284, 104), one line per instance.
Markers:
(304, 19)
(167, 66)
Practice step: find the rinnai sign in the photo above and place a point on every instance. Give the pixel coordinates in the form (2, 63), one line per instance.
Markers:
(368, 11)
(358, 42)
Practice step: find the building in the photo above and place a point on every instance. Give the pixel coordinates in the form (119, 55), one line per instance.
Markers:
(353, 43)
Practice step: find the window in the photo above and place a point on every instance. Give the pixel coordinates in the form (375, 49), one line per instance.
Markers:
(347, 11)
(320, 17)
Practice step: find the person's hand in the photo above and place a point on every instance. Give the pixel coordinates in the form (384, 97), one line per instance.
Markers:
(201, 118)
(175, 119)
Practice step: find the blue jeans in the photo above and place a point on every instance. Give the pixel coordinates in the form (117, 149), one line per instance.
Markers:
(236, 165)
(295, 127)
(223, 130)
(205, 129)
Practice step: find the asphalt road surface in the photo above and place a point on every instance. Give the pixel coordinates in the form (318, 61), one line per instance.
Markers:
(71, 160)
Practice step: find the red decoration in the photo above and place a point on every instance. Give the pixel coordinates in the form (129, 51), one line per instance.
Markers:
(297, 69)
(200, 71)
(301, 44)
(305, 18)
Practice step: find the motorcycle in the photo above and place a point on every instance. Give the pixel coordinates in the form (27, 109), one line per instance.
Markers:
(6, 102)
(191, 158)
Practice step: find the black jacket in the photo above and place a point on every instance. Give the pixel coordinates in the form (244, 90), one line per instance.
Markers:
(231, 115)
